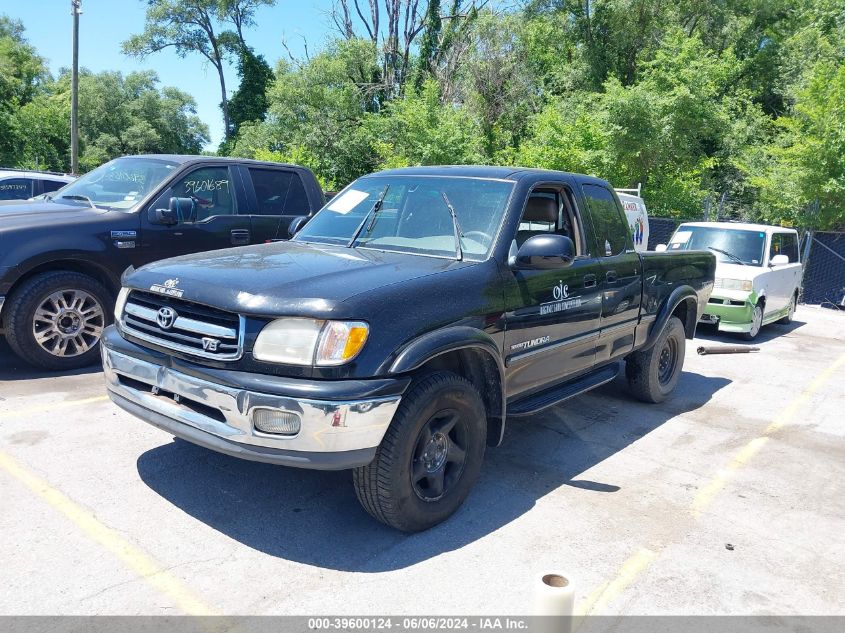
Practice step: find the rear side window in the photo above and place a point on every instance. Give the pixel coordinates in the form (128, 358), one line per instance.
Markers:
(51, 185)
(610, 227)
(784, 244)
(279, 192)
(15, 189)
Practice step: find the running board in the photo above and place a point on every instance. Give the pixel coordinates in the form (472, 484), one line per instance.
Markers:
(564, 391)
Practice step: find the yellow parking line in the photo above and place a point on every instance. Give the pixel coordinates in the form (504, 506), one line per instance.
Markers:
(639, 562)
(706, 495)
(49, 407)
(139, 562)
(609, 591)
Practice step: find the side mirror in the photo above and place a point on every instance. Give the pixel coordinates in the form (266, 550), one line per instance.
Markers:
(778, 260)
(180, 209)
(296, 224)
(660, 248)
(545, 252)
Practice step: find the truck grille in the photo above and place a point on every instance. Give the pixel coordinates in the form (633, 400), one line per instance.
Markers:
(183, 326)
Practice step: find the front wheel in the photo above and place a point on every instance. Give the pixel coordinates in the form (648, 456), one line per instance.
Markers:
(430, 456)
(56, 320)
(756, 323)
(652, 374)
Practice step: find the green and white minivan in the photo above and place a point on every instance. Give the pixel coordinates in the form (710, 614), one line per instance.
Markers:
(758, 272)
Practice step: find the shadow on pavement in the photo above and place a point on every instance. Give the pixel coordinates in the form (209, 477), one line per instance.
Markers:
(767, 333)
(313, 517)
(13, 368)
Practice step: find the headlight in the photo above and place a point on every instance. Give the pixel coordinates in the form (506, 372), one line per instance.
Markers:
(734, 284)
(296, 341)
(121, 301)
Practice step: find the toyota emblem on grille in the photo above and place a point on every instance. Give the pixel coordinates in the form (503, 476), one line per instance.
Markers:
(165, 318)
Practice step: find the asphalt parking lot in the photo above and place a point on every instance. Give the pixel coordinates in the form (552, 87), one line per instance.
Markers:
(728, 499)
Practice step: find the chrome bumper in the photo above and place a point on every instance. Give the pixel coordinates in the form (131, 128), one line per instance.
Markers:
(332, 435)
(2, 300)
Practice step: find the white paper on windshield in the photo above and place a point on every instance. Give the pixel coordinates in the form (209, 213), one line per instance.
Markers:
(347, 201)
(681, 237)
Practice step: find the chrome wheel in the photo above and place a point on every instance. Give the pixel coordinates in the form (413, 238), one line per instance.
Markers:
(68, 323)
(439, 456)
(756, 321)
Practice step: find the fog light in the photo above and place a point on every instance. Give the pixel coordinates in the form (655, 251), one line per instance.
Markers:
(276, 422)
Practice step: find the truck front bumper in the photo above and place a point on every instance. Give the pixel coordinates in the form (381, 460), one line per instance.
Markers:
(333, 435)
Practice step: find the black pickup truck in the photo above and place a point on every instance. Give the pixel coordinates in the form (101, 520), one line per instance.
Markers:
(61, 255)
(396, 332)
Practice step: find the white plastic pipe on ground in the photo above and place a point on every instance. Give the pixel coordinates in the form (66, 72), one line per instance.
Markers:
(554, 600)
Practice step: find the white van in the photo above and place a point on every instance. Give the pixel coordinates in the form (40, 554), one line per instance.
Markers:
(637, 216)
(758, 272)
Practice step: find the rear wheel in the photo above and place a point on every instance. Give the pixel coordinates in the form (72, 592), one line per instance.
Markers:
(756, 323)
(56, 320)
(430, 456)
(793, 304)
(652, 374)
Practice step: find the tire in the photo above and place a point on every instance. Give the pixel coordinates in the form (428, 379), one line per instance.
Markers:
(55, 320)
(791, 314)
(399, 486)
(756, 323)
(652, 374)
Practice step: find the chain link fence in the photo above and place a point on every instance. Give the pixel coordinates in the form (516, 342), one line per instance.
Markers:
(823, 254)
(824, 269)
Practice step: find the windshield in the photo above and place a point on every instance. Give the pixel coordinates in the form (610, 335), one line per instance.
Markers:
(119, 184)
(730, 246)
(414, 215)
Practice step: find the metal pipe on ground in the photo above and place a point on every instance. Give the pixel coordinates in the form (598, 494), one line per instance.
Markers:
(726, 349)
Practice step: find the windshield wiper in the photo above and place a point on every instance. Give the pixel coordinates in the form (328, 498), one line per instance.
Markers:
(731, 255)
(82, 198)
(371, 213)
(459, 234)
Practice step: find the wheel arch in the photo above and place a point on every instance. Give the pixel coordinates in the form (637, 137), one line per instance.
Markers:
(83, 267)
(468, 352)
(682, 303)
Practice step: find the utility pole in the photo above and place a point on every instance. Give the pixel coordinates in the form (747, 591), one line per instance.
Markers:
(75, 10)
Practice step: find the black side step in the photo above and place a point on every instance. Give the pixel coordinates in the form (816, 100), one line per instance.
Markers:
(563, 391)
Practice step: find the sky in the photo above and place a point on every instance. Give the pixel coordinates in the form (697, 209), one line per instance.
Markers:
(104, 24)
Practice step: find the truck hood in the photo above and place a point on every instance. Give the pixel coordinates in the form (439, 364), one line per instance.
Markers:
(286, 278)
(42, 211)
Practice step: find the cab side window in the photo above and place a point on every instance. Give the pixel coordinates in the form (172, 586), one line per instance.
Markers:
(609, 225)
(547, 211)
(15, 189)
(211, 190)
(279, 192)
(784, 244)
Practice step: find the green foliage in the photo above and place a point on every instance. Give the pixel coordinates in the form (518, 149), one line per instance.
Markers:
(319, 108)
(249, 102)
(739, 101)
(420, 130)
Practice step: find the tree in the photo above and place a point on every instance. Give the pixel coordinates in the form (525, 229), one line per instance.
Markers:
(318, 109)
(23, 74)
(249, 102)
(420, 130)
(197, 26)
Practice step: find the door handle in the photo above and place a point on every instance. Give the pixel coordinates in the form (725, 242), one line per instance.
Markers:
(240, 237)
(611, 276)
(589, 281)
